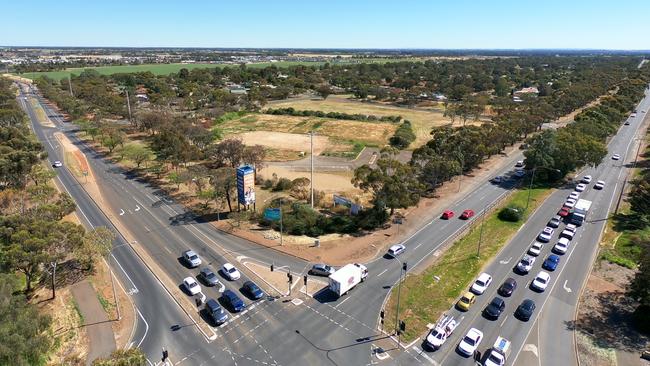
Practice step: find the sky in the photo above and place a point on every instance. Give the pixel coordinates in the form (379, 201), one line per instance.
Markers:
(427, 24)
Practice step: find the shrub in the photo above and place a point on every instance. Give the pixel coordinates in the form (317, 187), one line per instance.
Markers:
(283, 184)
(511, 213)
(403, 136)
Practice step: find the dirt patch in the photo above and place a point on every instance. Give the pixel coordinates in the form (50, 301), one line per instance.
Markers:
(282, 140)
(331, 182)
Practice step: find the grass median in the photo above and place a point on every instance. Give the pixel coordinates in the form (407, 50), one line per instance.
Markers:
(425, 296)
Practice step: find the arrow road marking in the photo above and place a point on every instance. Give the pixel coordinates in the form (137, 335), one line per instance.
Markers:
(531, 348)
(137, 208)
(505, 261)
(121, 212)
(222, 288)
(567, 289)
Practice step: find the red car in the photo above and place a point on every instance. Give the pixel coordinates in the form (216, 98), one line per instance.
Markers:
(467, 214)
(564, 212)
(448, 214)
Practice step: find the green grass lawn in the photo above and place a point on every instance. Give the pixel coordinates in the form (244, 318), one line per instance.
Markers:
(424, 298)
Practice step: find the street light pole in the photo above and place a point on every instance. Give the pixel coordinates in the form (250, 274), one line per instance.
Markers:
(281, 219)
(480, 234)
(530, 187)
(311, 162)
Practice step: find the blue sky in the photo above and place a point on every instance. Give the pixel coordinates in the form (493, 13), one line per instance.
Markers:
(620, 24)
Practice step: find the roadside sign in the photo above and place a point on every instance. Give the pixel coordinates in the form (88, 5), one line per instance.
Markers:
(272, 214)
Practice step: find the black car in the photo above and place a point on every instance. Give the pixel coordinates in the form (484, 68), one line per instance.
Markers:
(525, 310)
(233, 301)
(494, 308)
(253, 290)
(215, 311)
(208, 277)
(508, 287)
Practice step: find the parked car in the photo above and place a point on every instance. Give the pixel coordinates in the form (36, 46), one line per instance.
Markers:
(525, 310)
(467, 214)
(575, 195)
(321, 269)
(232, 301)
(581, 187)
(586, 179)
(616, 157)
(470, 342)
(208, 277)
(541, 281)
(599, 185)
(448, 214)
(494, 308)
(555, 221)
(508, 287)
(253, 290)
(191, 258)
(546, 234)
(215, 311)
(466, 301)
(57, 164)
(481, 283)
(562, 246)
(230, 272)
(551, 262)
(525, 264)
(536, 248)
(564, 212)
(396, 250)
(191, 285)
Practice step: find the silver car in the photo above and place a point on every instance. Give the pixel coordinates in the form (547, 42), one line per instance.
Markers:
(321, 269)
(191, 258)
(208, 277)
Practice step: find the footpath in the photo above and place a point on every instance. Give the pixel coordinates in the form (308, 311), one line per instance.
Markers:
(98, 327)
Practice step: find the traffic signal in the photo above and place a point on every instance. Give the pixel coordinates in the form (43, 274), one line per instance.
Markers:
(290, 277)
(404, 266)
(305, 280)
(271, 267)
(165, 354)
(402, 326)
(381, 314)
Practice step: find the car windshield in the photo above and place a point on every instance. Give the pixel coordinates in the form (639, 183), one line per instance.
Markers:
(437, 334)
(495, 358)
(192, 284)
(480, 283)
(194, 256)
(232, 270)
(469, 340)
(525, 261)
(541, 280)
(210, 274)
(464, 299)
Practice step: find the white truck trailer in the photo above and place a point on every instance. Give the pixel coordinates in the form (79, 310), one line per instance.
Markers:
(579, 211)
(346, 277)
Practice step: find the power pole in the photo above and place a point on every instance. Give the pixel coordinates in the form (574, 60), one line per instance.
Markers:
(128, 103)
(311, 158)
(281, 222)
(70, 86)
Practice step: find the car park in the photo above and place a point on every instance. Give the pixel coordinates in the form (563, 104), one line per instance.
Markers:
(215, 311)
(321, 269)
(586, 179)
(448, 214)
(562, 246)
(232, 301)
(57, 164)
(555, 221)
(551, 262)
(599, 185)
(230, 272)
(508, 287)
(546, 234)
(541, 281)
(466, 301)
(567, 234)
(525, 310)
(616, 157)
(396, 250)
(208, 277)
(191, 258)
(481, 283)
(525, 264)
(470, 342)
(494, 308)
(467, 214)
(574, 195)
(581, 187)
(253, 290)
(564, 212)
(191, 285)
(536, 248)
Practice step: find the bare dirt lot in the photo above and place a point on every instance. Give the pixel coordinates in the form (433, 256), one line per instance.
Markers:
(283, 140)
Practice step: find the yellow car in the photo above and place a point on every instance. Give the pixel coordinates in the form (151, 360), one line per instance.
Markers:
(466, 301)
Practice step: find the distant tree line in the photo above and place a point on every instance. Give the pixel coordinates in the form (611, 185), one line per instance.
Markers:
(290, 111)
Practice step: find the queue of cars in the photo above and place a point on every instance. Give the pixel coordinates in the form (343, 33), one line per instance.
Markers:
(471, 341)
(229, 299)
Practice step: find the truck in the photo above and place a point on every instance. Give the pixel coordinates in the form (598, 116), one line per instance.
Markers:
(579, 211)
(499, 353)
(346, 277)
(441, 331)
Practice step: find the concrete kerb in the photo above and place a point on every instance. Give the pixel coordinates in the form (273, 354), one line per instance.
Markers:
(147, 265)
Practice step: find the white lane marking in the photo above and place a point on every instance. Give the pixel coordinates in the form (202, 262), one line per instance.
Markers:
(222, 287)
(503, 322)
(137, 208)
(121, 212)
(531, 348)
(382, 272)
(339, 304)
(505, 261)
(146, 329)
(419, 352)
(567, 289)
(417, 246)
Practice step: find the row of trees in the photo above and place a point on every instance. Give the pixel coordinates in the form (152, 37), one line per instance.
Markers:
(290, 111)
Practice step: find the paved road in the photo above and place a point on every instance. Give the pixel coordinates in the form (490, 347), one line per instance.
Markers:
(547, 342)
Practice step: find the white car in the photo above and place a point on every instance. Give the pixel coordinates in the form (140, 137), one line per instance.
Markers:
(581, 187)
(567, 234)
(396, 250)
(57, 164)
(191, 285)
(526, 264)
(536, 248)
(574, 195)
(519, 164)
(470, 342)
(616, 157)
(481, 283)
(541, 281)
(570, 203)
(586, 179)
(571, 227)
(562, 246)
(545, 235)
(230, 272)
(599, 185)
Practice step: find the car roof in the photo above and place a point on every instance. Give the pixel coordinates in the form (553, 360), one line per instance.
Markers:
(543, 274)
(207, 270)
(510, 280)
(396, 246)
(212, 304)
(228, 265)
(230, 293)
(250, 284)
(190, 252)
(497, 300)
(189, 279)
(483, 276)
(475, 332)
(468, 295)
(528, 302)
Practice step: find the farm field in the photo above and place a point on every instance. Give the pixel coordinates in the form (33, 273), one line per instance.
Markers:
(422, 120)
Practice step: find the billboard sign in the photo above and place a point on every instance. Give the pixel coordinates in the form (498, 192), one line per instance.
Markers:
(245, 185)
